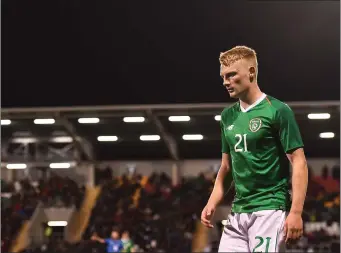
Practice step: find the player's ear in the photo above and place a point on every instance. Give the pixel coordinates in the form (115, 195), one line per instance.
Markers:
(252, 73)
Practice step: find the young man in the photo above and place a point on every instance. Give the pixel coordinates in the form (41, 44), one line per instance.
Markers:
(114, 244)
(259, 137)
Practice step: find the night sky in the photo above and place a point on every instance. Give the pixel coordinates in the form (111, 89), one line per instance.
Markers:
(73, 52)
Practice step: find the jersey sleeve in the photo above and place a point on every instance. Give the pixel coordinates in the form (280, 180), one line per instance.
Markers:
(224, 145)
(289, 133)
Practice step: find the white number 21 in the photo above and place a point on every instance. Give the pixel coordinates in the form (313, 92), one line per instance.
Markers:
(240, 139)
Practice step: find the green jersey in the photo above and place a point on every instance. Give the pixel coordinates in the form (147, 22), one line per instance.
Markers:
(257, 140)
(127, 246)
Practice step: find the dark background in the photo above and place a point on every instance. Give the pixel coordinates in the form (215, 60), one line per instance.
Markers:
(64, 53)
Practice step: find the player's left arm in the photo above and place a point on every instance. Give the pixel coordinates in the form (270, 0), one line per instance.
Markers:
(292, 144)
(299, 180)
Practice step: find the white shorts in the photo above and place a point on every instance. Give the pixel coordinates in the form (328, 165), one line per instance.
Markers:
(260, 231)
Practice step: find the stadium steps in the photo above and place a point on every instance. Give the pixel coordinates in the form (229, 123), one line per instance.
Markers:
(136, 197)
(137, 194)
(22, 238)
(200, 238)
(80, 219)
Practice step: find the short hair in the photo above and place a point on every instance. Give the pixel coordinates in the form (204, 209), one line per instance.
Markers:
(115, 229)
(237, 53)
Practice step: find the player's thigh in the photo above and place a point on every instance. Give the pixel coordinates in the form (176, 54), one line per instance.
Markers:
(266, 231)
(233, 238)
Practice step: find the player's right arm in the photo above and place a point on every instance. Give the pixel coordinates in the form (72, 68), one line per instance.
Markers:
(218, 189)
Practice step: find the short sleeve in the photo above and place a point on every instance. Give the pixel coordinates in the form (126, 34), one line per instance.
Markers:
(289, 133)
(224, 145)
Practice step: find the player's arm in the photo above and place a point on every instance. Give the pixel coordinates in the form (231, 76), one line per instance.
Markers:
(218, 189)
(292, 144)
(299, 180)
(291, 140)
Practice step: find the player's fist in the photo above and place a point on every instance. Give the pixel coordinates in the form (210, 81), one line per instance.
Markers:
(293, 227)
(207, 214)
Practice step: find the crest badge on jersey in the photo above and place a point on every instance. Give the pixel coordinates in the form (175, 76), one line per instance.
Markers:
(255, 124)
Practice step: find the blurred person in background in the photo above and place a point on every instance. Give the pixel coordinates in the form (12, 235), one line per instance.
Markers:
(127, 242)
(114, 244)
(259, 136)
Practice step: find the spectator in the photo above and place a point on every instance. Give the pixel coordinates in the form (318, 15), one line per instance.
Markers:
(114, 244)
(127, 242)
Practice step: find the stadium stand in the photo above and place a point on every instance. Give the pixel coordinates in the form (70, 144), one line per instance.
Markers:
(20, 199)
(159, 212)
(161, 217)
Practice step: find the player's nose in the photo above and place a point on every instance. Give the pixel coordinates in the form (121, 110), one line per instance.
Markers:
(227, 84)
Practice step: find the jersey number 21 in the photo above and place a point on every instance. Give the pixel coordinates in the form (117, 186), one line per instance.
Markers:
(241, 145)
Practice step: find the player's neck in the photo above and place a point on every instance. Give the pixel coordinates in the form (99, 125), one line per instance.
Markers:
(251, 97)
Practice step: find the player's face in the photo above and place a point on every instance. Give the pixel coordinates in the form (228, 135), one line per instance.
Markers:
(115, 235)
(236, 78)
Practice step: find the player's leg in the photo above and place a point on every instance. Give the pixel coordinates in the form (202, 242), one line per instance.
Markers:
(234, 237)
(266, 231)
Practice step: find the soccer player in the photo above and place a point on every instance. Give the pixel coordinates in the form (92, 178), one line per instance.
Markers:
(114, 244)
(259, 136)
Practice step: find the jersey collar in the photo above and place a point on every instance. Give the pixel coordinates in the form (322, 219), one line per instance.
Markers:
(254, 104)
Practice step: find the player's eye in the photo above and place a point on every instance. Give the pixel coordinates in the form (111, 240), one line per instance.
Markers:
(232, 74)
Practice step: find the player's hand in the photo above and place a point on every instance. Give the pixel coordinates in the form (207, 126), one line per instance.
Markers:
(207, 214)
(293, 227)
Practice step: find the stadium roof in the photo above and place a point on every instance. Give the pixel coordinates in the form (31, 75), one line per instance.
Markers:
(201, 120)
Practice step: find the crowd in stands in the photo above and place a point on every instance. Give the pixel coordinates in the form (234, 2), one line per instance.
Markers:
(322, 206)
(136, 213)
(160, 217)
(20, 198)
(18, 202)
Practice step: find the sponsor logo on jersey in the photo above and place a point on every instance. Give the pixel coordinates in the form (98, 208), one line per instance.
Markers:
(255, 124)
(230, 127)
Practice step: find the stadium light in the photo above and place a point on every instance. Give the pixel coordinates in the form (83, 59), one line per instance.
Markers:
(62, 139)
(44, 121)
(60, 165)
(192, 137)
(24, 140)
(107, 138)
(217, 117)
(327, 135)
(179, 118)
(5, 122)
(133, 119)
(318, 116)
(57, 223)
(88, 120)
(16, 166)
(150, 137)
